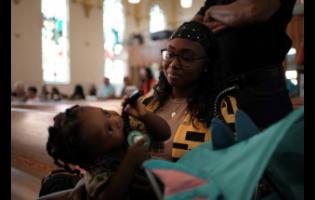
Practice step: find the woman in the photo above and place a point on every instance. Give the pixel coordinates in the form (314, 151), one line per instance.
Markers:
(148, 81)
(187, 88)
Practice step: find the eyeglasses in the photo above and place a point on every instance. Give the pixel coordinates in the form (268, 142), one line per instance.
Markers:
(185, 57)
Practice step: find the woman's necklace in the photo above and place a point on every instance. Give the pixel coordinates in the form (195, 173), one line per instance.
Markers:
(174, 113)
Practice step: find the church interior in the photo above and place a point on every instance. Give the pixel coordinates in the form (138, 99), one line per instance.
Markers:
(63, 53)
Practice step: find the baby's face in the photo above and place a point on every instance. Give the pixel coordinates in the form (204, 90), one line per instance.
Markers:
(101, 129)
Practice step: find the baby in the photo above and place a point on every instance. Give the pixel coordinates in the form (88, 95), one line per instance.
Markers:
(94, 140)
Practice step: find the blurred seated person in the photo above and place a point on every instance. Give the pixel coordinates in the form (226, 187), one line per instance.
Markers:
(92, 90)
(44, 93)
(32, 95)
(92, 93)
(18, 93)
(78, 93)
(128, 87)
(55, 94)
(106, 90)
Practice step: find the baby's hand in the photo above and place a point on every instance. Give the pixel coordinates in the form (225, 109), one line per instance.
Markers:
(137, 153)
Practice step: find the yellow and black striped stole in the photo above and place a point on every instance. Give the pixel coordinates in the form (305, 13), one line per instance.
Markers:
(228, 110)
(189, 136)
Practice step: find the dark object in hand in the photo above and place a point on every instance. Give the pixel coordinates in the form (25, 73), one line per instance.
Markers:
(134, 96)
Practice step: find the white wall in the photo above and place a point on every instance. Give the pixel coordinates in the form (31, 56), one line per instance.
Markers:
(86, 45)
(175, 15)
(25, 42)
(86, 38)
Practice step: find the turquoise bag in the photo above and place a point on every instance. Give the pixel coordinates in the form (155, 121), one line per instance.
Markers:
(232, 172)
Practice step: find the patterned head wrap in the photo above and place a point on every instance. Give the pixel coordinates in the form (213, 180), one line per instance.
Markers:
(197, 32)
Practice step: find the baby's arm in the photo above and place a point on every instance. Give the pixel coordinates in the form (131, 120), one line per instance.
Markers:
(117, 186)
(157, 127)
(119, 183)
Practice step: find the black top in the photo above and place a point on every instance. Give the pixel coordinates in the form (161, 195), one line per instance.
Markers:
(251, 47)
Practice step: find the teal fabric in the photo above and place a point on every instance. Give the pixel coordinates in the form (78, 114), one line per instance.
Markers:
(286, 167)
(235, 170)
(222, 135)
(244, 126)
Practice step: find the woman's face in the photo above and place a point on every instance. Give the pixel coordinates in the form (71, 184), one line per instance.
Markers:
(101, 129)
(183, 62)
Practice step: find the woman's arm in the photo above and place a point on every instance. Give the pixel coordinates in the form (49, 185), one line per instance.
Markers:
(118, 184)
(155, 125)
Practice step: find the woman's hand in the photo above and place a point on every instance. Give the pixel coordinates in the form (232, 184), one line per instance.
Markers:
(137, 110)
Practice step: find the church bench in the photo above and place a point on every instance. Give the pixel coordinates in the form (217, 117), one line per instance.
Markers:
(29, 134)
(55, 107)
(28, 141)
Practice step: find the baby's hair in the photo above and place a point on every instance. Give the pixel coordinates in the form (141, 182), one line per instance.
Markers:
(64, 144)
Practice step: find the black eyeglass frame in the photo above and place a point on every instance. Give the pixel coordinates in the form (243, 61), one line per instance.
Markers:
(180, 58)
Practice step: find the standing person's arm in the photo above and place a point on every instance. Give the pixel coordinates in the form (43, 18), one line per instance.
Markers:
(236, 14)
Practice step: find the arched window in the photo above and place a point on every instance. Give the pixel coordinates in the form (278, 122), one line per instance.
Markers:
(115, 56)
(157, 19)
(55, 41)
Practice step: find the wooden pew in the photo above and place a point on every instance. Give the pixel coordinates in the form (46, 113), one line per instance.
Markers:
(28, 141)
(24, 186)
(29, 159)
(29, 133)
(55, 107)
(29, 124)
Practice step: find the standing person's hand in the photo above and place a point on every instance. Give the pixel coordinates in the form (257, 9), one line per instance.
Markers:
(213, 24)
(239, 13)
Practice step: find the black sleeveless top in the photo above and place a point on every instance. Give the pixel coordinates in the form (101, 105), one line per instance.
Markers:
(247, 48)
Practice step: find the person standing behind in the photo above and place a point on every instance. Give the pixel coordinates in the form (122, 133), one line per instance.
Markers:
(253, 43)
(128, 87)
(107, 90)
(148, 81)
